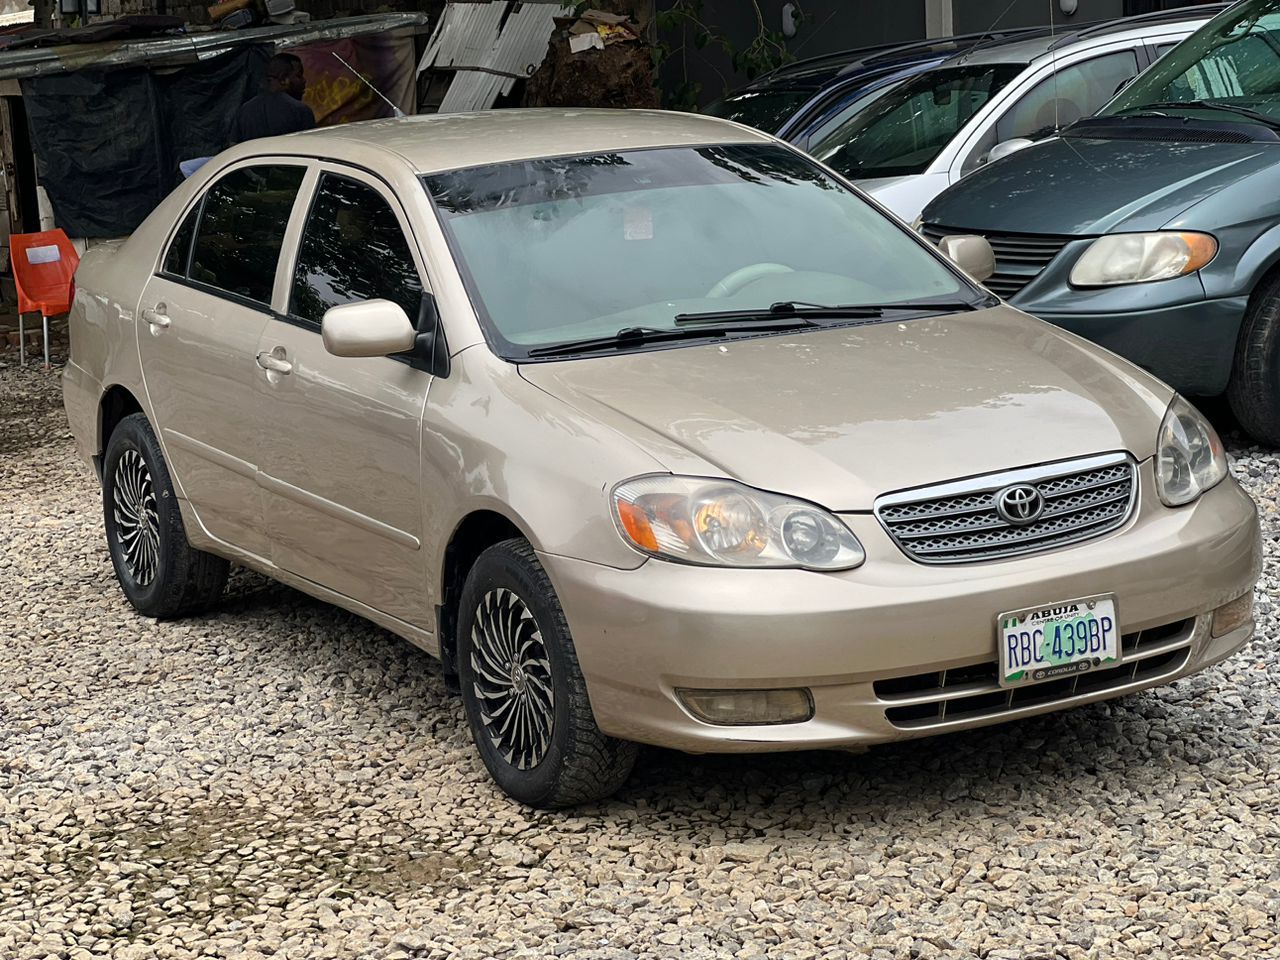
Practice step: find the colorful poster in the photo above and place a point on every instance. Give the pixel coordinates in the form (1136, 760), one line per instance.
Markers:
(336, 95)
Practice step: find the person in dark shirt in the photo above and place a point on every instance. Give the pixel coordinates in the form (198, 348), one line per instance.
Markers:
(280, 109)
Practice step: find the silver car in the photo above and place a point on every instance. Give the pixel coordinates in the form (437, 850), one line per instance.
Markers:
(924, 134)
(654, 431)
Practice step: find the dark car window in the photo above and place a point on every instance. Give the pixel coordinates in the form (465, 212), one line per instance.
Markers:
(902, 132)
(175, 261)
(765, 110)
(1072, 93)
(352, 249)
(242, 228)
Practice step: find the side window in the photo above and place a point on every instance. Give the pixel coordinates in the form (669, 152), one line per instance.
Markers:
(242, 229)
(1074, 92)
(175, 261)
(352, 249)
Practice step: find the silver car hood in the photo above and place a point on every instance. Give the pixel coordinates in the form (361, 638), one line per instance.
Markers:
(841, 416)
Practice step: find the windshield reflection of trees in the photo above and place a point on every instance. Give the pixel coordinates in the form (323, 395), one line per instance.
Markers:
(551, 181)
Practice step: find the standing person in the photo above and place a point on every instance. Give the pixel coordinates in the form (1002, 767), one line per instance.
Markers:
(280, 109)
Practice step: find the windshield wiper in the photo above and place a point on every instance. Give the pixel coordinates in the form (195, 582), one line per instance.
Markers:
(639, 336)
(1151, 109)
(818, 311)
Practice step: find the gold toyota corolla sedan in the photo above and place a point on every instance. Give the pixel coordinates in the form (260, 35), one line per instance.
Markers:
(654, 430)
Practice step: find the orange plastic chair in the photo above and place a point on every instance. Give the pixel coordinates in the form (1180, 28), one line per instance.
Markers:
(44, 269)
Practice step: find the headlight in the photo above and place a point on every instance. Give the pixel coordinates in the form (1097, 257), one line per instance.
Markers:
(1142, 257)
(726, 524)
(1189, 455)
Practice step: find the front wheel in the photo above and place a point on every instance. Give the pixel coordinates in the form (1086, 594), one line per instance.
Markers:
(1254, 391)
(161, 574)
(524, 693)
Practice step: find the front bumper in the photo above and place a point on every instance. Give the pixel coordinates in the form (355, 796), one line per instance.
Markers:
(640, 634)
(1190, 346)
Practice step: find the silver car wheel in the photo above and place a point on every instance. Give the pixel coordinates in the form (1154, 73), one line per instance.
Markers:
(512, 679)
(136, 518)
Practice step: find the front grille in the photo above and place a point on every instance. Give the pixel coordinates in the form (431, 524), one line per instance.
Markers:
(973, 692)
(1020, 257)
(959, 522)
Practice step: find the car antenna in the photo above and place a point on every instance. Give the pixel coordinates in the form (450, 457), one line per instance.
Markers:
(1053, 65)
(359, 76)
(985, 33)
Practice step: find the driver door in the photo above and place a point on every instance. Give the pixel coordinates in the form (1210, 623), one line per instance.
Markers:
(341, 466)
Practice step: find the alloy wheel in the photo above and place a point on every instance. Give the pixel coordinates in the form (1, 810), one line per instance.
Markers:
(137, 520)
(512, 682)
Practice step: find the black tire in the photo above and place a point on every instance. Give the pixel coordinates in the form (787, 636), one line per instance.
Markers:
(161, 574)
(1254, 391)
(575, 762)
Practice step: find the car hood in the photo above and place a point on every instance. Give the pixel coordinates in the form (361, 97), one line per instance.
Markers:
(1085, 187)
(841, 416)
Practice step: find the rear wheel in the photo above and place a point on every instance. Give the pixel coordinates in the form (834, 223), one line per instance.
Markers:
(525, 696)
(161, 574)
(1254, 391)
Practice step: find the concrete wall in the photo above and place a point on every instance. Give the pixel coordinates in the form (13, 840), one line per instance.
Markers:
(833, 25)
(830, 25)
(974, 16)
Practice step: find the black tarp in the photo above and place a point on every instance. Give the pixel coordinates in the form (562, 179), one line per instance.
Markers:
(108, 141)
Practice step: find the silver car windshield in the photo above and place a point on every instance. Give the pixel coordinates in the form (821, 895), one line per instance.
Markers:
(568, 249)
(1232, 61)
(902, 132)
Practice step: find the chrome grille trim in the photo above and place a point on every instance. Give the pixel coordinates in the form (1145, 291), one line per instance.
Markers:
(972, 692)
(957, 522)
(1020, 257)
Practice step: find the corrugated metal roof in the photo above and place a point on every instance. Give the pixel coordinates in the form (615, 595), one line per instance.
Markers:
(488, 53)
(186, 48)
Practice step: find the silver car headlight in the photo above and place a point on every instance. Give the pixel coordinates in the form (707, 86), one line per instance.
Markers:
(1189, 455)
(1142, 257)
(726, 524)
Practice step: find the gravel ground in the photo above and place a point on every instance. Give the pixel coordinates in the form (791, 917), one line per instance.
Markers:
(282, 779)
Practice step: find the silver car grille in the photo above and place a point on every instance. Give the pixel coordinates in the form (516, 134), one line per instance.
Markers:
(964, 694)
(961, 523)
(1020, 257)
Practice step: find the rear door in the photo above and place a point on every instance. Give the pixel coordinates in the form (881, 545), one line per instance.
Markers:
(341, 463)
(200, 318)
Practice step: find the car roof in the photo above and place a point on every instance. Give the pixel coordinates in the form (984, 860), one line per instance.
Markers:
(431, 143)
(818, 72)
(1024, 50)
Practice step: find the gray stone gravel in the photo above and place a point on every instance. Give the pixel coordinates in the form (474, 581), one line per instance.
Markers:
(279, 778)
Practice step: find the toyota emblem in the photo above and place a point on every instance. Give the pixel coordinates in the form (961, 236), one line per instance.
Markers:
(1020, 504)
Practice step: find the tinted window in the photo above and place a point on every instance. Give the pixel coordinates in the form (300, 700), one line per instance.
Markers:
(175, 261)
(765, 110)
(352, 249)
(238, 244)
(1072, 93)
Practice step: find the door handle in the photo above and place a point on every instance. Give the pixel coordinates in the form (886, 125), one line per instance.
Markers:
(156, 317)
(274, 364)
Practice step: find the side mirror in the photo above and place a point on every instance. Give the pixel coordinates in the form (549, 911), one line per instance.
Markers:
(970, 253)
(367, 328)
(1008, 147)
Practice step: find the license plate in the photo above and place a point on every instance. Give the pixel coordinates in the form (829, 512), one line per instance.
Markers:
(1058, 640)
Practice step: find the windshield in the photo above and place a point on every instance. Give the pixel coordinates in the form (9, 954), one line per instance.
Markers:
(765, 110)
(899, 134)
(560, 250)
(1234, 59)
